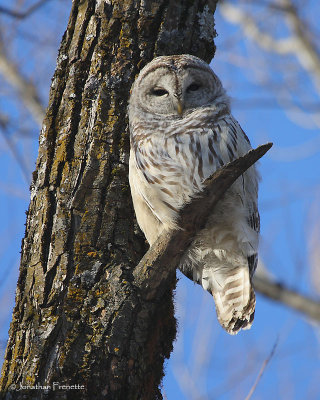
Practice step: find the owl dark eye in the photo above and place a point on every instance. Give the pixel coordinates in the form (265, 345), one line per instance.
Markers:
(159, 92)
(193, 87)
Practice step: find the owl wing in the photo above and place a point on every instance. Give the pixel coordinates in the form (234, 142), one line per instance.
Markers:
(249, 192)
(234, 143)
(155, 181)
(235, 298)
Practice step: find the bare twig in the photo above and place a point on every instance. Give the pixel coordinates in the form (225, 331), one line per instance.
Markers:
(249, 26)
(19, 159)
(298, 44)
(270, 103)
(305, 49)
(25, 87)
(263, 367)
(22, 14)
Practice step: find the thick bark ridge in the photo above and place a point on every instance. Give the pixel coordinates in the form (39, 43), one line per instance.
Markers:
(78, 318)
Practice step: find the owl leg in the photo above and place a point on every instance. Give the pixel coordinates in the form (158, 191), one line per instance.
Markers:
(233, 295)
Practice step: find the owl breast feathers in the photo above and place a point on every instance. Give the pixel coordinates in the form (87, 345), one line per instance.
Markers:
(181, 131)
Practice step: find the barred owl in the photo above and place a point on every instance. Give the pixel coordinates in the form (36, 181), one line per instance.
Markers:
(181, 131)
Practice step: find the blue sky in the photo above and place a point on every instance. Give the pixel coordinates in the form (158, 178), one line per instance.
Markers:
(288, 193)
(207, 363)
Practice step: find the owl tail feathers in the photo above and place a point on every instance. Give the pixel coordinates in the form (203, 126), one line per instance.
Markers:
(232, 318)
(235, 302)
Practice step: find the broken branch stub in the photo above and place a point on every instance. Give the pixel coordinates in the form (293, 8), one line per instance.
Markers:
(160, 261)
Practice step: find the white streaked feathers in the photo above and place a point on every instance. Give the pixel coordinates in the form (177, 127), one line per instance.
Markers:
(172, 153)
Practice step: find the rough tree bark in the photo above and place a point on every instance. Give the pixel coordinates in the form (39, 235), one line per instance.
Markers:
(78, 318)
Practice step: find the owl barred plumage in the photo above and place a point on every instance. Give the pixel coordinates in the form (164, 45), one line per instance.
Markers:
(181, 132)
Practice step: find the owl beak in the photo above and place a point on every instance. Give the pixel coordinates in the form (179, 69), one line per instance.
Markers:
(180, 107)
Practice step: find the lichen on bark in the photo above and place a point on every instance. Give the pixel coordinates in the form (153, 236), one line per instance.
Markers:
(78, 318)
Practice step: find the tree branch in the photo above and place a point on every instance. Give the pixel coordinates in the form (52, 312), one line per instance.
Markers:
(162, 258)
(278, 292)
(159, 263)
(15, 153)
(250, 28)
(304, 49)
(299, 43)
(22, 14)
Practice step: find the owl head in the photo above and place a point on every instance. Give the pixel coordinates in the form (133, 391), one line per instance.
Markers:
(173, 86)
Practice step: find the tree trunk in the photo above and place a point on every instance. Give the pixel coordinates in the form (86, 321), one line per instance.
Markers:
(78, 319)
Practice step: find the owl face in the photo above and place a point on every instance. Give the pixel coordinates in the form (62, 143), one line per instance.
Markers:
(175, 85)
